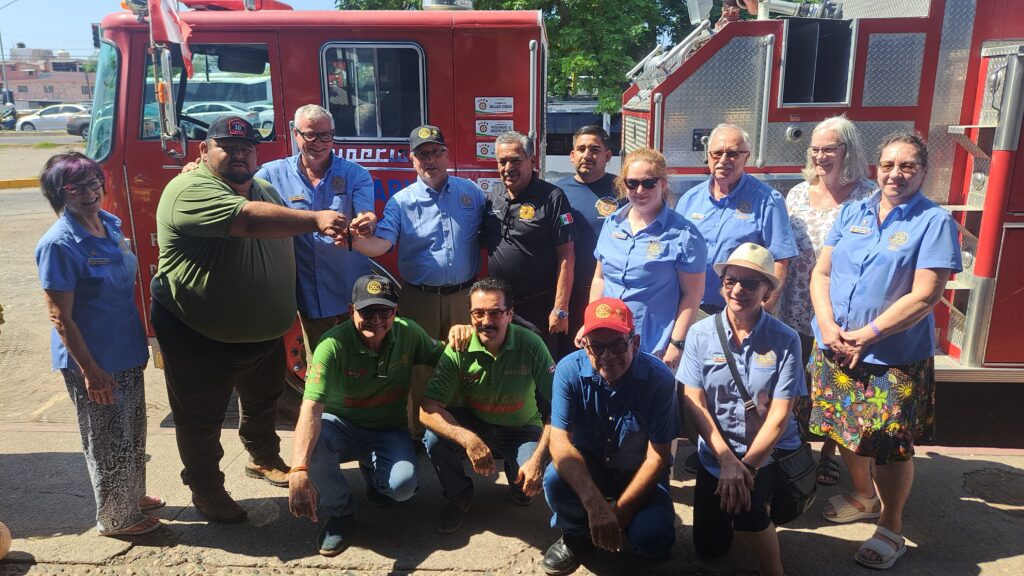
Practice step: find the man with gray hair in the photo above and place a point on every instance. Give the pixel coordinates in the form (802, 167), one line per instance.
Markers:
(317, 179)
(530, 236)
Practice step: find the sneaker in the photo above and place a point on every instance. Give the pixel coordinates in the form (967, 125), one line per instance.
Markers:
(560, 559)
(218, 506)
(453, 515)
(276, 473)
(373, 496)
(331, 539)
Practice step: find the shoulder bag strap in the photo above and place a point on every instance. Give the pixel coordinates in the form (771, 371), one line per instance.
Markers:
(748, 404)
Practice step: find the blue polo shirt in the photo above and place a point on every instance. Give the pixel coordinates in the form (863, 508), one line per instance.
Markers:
(752, 212)
(437, 231)
(101, 272)
(642, 269)
(325, 273)
(614, 425)
(770, 364)
(873, 266)
(592, 204)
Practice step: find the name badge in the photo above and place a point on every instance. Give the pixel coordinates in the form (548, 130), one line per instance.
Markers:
(296, 198)
(619, 235)
(696, 216)
(718, 358)
(98, 261)
(860, 230)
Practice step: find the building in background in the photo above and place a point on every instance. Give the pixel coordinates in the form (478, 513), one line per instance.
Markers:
(38, 77)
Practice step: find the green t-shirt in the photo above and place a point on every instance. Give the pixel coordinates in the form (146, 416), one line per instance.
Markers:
(368, 388)
(500, 390)
(226, 288)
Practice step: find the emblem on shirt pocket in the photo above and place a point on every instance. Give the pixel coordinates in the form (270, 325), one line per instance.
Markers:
(527, 212)
(605, 206)
(338, 185)
(466, 201)
(897, 239)
(765, 361)
(744, 210)
(653, 249)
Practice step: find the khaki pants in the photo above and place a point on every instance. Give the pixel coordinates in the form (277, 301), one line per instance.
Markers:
(313, 329)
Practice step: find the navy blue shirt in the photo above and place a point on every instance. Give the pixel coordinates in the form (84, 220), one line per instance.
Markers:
(614, 425)
(591, 204)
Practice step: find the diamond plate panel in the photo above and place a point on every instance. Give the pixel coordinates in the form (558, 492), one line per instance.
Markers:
(729, 87)
(782, 152)
(887, 8)
(957, 321)
(968, 245)
(634, 133)
(947, 99)
(979, 183)
(893, 73)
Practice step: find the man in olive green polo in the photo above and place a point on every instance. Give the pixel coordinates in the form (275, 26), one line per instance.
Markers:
(354, 408)
(498, 378)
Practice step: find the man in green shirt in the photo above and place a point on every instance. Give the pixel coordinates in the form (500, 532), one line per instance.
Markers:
(223, 295)
(354, 408)
(497, 378)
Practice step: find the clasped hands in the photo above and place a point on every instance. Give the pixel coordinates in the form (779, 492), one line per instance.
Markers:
(847, 346)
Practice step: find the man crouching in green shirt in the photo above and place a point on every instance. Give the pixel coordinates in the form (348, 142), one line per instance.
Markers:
(354, 408)
(497, 378)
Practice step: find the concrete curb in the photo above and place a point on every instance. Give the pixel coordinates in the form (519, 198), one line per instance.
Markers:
(19, 183)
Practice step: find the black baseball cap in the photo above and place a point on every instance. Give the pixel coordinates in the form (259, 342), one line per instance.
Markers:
(373, 290)
(232, 127)
(425, 134)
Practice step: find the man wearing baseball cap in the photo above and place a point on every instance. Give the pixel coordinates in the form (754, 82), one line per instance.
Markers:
(354, 408)
(223, 295)
(613, 418)
(435, 221)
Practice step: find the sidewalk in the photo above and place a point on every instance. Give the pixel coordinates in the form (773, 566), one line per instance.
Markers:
(965, 516)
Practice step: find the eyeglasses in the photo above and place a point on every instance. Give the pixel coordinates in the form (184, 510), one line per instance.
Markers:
(430, 154)
(377, 313)
(829, 150)
(481, 313)
(748, 284)
(312, 136)
(730, 154)
(94, 185)
(616, 347)
(906, 168)
(648, 183)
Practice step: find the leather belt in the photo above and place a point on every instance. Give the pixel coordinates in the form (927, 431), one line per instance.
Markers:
(443, 290)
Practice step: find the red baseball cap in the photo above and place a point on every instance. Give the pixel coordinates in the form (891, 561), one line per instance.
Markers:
(610, 313)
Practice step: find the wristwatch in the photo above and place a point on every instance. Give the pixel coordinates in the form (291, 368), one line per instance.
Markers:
(561, 314)
(680, 344)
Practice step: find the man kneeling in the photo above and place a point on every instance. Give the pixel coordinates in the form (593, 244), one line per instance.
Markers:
(613, 418)
(354, 408)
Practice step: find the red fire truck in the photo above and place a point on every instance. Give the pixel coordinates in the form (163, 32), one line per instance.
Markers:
(474, 74)
(951, 69)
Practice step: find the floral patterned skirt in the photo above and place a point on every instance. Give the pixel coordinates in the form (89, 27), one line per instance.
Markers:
(873, 410)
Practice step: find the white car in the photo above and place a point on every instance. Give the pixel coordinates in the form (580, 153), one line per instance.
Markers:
(209, 111)
(50, 118)
(266, 112)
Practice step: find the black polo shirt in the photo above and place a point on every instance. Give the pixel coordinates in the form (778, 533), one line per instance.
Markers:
(522, 235)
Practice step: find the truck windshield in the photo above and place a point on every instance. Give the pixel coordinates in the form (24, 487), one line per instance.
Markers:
(102, 122)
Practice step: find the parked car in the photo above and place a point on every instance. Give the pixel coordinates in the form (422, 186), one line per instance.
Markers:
(209, 111)
(78, 124)
(50, 118)
(266, 112)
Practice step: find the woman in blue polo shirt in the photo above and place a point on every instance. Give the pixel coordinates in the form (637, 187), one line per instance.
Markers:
(87, 271)
(736, 479)
(883, 268)
(651, 257)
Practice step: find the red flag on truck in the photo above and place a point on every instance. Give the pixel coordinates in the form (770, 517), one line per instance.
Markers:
(167, 26)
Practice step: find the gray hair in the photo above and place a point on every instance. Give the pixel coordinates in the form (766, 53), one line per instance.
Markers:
(313, 112)
(515, 139)
(854, 165)
(728, 126)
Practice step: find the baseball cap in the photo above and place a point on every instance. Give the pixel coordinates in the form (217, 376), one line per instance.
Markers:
(372, 290)
(753, 257)
(610, 313)
(232, 127)
(425, 134)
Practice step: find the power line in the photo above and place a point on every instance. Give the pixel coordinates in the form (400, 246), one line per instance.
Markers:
(8, 4)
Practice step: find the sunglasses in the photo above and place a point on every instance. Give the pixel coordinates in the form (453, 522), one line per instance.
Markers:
(748, 284)
(906, 168)
(378, 313)
(481, 313)
(616, 347)
(94, 185)
(313, 136)
(730, 154)
(647, 183)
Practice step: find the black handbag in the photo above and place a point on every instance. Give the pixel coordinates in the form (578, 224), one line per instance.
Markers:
(796, 484)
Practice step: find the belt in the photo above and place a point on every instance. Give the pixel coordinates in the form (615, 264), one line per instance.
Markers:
(443, 290)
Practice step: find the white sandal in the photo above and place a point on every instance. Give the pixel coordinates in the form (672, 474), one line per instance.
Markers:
(847, 512)
(889, 547)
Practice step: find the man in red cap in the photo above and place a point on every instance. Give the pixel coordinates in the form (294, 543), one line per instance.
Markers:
(613, 418)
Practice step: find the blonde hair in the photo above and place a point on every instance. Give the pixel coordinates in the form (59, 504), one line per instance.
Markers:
(649, 155)
(854, 165)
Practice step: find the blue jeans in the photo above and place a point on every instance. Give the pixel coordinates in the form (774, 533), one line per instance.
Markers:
(389, 454)
(512, 445)
(652, 530)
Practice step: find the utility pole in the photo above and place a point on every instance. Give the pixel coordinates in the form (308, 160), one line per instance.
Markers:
(3, 70)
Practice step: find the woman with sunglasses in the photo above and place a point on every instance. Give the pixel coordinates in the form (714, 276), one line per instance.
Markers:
(882, 270)
(651, 257)
(88, 270)
(835, 174)
(736, 476)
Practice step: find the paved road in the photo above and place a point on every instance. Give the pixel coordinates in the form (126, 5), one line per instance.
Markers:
(27, 138)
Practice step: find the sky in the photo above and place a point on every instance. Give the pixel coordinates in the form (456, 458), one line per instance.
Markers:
(65, 24)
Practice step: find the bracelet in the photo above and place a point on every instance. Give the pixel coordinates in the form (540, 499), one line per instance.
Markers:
(875, 329)
(298, 469)
(750, 467)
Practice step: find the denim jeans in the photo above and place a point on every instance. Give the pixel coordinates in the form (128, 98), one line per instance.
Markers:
(389, 454)
(512, 445)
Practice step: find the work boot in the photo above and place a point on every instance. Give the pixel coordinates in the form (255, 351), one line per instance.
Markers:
(453, 515)
(373, 496)
(560, 559)
(218, 506)
(331, 539)
(276, 472)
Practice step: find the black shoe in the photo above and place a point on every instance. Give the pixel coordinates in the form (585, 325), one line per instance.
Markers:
(373, 496)
(560, 559)
(692, 463)
(453, 515)
(331, 539)
(518, 498)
